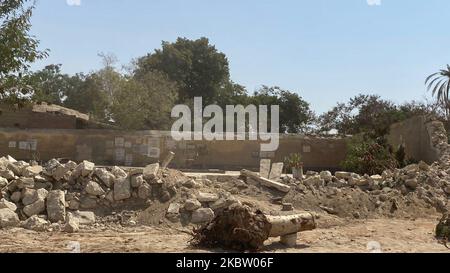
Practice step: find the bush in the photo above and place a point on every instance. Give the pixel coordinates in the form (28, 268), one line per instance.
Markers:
(368, 156)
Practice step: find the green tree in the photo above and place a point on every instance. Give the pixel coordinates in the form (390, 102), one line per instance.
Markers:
(145, 103)
(295, 113)
(49, 84)
(197, 67)
(439, 85)
(17, 47)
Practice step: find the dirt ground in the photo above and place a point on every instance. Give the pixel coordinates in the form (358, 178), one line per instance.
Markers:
(393, 235)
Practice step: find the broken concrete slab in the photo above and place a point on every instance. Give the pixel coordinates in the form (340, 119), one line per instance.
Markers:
(266, 182)
(276, 171)
(4, 204)
(264, 168)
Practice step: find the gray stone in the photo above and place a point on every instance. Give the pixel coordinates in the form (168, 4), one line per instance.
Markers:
(342, 175)
(174, 208)
(144, 191)
(36, 223)
(314, 181)
(74, 204)
(151, 171)
(122, 188)
(94, 188)
(35, 208)
(4, 204)
(85, 168)
(87, 202)
(106, 177)
(205, 197)
(137, 181)
(192, 204)
(202, 215)
(118, 172)
(326, 175)
(8, 218)
(411, 183)
(264, 168)
(25, 182)
(85, 217)
(29, 196)
(16, 196)
(276, 171)
(60, 172)
(447, 190)
(72, 223)
(7, 174)
(56, 208)
(223, 203)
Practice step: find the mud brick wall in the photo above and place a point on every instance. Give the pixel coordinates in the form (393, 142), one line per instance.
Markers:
(139, 148)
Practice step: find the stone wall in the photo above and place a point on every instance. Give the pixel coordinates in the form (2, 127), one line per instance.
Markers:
(139, 148)
(423, 138)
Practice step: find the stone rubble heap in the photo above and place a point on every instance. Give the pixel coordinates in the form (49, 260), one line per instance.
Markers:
(62, 196)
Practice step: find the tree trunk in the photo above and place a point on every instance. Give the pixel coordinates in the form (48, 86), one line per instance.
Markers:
(289, 224)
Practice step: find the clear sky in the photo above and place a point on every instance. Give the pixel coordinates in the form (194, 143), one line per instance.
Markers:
(325, 50)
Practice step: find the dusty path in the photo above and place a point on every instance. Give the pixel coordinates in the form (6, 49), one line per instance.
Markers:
(393, 235)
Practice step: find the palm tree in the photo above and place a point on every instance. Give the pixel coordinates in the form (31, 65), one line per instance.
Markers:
(439, 85)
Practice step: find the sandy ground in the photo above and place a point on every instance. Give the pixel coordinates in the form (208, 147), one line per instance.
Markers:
(392, 234)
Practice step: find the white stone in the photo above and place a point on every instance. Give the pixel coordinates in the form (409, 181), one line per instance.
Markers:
(151, 171)
(326, 175)
(205, 197)
(4, 204)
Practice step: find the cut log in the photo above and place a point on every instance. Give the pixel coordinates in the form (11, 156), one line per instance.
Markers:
(266, 182)
(289, 224)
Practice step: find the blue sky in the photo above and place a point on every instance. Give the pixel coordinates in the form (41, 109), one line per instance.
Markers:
(325, 50)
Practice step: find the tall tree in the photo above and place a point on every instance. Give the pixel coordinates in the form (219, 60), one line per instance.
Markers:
(17, 47)
(49, 84)
(145, 103)
(295, 113)
(197, 67)
(439, 85)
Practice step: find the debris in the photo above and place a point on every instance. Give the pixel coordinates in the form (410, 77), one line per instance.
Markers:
(36, 223)
(266, 182)
(264, 168)
(167, 160)
(276, 171)
(202, 215)
(8, 218)
(56, 209)
(151, 171)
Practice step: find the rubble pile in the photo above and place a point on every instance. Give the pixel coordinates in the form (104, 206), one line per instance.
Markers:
(62, 196)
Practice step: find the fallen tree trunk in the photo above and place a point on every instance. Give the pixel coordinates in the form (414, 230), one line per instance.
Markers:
(266, 182)
(289, 224)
